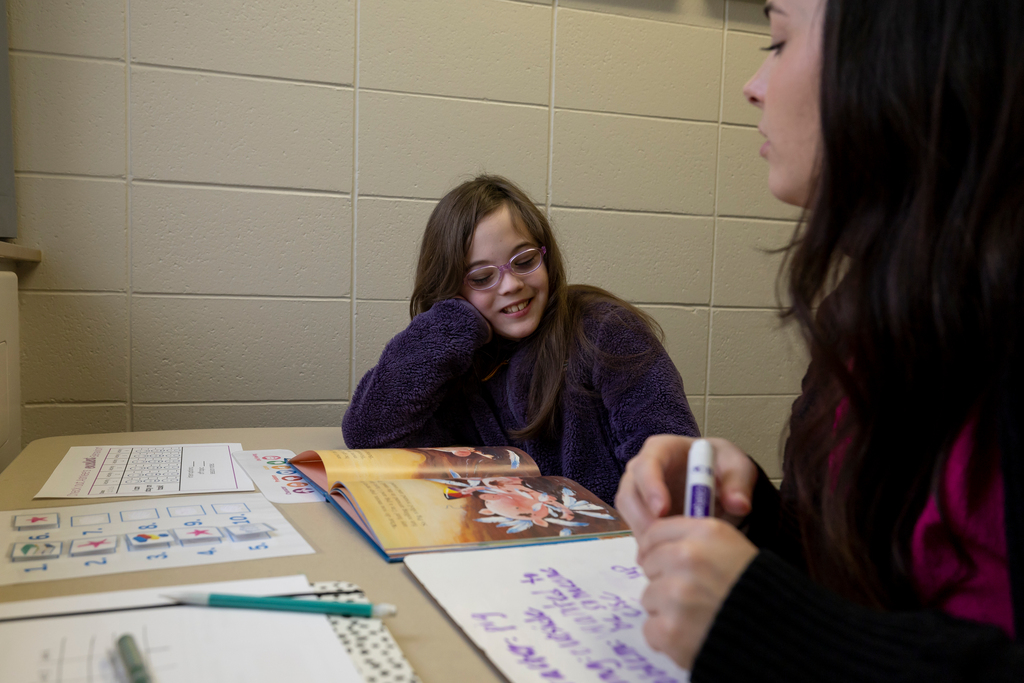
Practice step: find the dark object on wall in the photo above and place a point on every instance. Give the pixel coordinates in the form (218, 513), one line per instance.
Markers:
(8, 215)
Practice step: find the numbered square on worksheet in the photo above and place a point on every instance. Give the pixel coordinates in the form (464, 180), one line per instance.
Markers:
(186, 511)
(42, 520)
(35, 551)
(142, 515)
(103, 545)
(149, 539)
(249, 532)
(198, 535)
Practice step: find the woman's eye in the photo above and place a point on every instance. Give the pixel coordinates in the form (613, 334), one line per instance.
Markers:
(774, 47)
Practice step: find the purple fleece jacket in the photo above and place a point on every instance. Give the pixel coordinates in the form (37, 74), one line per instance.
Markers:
(413, 397)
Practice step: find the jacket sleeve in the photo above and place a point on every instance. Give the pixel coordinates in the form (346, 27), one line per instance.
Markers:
(406, 399)
(644, 397)
(777, 625)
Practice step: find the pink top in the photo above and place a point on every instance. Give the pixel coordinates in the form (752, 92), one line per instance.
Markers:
(942, 580)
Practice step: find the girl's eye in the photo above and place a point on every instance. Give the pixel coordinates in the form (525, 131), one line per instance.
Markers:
(774, 47)
(481, 280)
(522, 263)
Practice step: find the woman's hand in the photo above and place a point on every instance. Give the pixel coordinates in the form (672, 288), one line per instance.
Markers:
(692, 564)
(654, 482)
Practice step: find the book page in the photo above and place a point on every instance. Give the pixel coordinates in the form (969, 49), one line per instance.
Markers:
(562, 612)
(414, 463)
(417, 514)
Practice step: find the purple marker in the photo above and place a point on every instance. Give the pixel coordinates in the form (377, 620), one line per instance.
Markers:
(700, 480)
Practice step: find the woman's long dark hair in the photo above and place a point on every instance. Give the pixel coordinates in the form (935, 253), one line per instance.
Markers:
(560, 337)
(907, 277)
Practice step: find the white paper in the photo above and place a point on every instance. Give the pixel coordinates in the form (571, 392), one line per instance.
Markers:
(564, 611)
(109, 471)
(180, 644)
(149, 517)
(277, 479)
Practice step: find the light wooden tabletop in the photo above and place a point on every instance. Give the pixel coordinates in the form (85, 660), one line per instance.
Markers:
(435, 647)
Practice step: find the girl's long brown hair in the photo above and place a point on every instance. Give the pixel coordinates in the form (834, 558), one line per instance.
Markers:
(560, 339)
(907, 278)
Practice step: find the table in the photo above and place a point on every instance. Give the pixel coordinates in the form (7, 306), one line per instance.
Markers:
(433, 645)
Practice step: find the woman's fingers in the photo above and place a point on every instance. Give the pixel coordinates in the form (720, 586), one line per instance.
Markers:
(736, 476)
(652, 485)
(692, 564)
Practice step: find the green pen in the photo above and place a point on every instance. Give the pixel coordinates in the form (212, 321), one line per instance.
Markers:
(134, 665)
(287, 604)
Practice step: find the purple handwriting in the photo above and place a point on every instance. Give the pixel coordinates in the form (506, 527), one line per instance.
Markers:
(636, 661)
(489, 620)
(529, 658)
(629, 572)
(549, 628)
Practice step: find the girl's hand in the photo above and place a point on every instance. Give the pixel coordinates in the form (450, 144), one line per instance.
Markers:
(692, 565)
(654, 483)
(490, 330)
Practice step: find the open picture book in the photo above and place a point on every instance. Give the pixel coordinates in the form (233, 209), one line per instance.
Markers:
(411, 500)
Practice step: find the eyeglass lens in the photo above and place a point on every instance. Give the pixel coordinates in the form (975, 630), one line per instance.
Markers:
(523, 263)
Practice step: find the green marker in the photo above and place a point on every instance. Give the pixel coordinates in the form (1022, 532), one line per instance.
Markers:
(288, 604)
(132, 658)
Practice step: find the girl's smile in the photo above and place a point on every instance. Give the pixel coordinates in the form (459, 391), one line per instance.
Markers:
(516, 304)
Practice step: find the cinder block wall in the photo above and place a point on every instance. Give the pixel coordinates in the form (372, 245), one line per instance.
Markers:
(229, 195)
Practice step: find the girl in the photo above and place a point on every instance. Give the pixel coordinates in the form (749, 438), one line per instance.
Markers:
(896, 549)
(501, 351)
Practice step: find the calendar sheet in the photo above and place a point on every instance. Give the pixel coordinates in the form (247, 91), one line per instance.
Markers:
(110, 471)
(126, 536)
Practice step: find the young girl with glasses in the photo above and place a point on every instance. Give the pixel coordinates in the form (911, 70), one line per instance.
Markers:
(502, 351)
(894, 550)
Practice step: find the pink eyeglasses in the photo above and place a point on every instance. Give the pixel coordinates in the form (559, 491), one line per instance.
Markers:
(523, 263)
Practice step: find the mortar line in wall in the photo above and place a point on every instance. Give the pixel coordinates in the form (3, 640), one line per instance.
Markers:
(67, 404)
(238, 187)
(714, 239)
(242, 297)
(632, 212)
(353, 282)
(568, 207)
(128, 202)
(606, 13)
(148, 66)
(71, 176)
(236, 402)
(64, 55)
(602, 209)
(455, 98)
(645, 117)
(551, 108)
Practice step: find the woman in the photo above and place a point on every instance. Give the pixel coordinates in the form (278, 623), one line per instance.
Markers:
(895, 549)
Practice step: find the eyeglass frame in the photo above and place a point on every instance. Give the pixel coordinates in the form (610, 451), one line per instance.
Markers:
(506, 267)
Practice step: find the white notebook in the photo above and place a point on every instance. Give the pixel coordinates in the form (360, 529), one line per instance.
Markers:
(565, 611)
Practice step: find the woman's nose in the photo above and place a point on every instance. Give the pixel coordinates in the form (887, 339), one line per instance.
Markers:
(753, 90)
